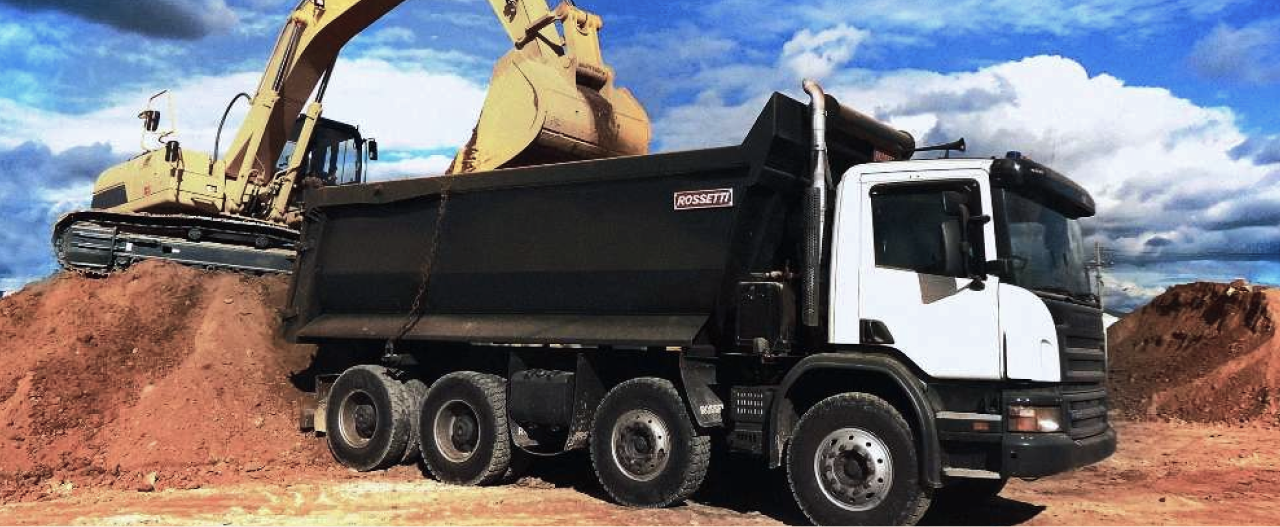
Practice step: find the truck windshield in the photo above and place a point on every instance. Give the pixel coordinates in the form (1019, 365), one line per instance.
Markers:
(1047, 248)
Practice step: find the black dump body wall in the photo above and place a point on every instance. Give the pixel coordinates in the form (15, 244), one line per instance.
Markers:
(579, 253)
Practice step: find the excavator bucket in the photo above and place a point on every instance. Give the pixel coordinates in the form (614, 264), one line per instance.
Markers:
(553, 101)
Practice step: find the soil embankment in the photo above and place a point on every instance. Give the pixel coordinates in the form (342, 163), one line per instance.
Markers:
(1200, 352)
(162, 376)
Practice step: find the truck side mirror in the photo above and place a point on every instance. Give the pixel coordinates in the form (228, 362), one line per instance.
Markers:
(1003, 267)
(150, 120)
(372, 145)
(953, 249)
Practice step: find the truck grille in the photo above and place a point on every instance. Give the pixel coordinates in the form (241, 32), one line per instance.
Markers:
(1084, 364)
(1082, 340)
(1086, 412)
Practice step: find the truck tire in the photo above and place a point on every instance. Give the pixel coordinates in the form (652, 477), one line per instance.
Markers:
(645, 449)
(368, 418)
(853, 461)
(417, 392)
(966, 491)
(463, 429)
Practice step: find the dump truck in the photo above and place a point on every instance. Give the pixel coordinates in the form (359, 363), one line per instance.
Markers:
(552, 98)
(881, 328)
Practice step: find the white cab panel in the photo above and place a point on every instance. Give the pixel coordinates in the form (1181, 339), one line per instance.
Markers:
(1031, 339)
(843, 317)
(948, 328)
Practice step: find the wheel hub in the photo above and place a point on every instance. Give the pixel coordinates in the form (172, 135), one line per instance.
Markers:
(357, 419)
(854, 469)
(457, 430)
(641, 444)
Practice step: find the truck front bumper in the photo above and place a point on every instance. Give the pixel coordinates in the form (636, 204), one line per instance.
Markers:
(1037, 455)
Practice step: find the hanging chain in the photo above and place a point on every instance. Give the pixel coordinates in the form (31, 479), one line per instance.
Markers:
(416, 310)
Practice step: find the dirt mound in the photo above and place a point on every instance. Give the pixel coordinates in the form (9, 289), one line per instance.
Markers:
(1200, 352)
(162, 376)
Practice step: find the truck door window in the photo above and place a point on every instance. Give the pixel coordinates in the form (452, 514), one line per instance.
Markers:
(912, 231)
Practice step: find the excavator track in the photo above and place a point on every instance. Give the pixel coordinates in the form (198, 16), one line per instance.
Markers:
(97, 242)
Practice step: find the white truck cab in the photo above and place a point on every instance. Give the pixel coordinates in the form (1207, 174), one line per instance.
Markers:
(897, 262)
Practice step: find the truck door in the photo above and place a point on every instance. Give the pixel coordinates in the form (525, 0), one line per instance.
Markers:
(914, 281)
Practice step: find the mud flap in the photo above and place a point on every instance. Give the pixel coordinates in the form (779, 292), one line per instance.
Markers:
(311, 407)
(697, 376)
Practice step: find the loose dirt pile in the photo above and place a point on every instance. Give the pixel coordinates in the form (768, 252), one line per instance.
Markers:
(162, 376)
(1200, 352)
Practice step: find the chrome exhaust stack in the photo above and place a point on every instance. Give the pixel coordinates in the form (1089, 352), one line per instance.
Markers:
(815, 210)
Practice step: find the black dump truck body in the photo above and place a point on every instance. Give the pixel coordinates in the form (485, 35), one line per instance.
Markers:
(599, 252)
(646, 306)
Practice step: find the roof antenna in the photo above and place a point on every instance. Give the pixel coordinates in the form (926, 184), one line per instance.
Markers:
(957, 145)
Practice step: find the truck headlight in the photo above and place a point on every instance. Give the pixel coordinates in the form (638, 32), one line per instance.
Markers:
(1035, 419)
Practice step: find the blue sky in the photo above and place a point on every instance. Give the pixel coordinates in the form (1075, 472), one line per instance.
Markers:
(1163, 109)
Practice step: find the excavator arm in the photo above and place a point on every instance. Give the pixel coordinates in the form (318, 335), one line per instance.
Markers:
(305, 53)
(551, 99)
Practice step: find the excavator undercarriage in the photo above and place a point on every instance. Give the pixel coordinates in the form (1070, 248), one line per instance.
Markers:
(99, 242)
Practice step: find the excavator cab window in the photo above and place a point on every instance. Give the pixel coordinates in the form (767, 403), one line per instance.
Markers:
(335, 156)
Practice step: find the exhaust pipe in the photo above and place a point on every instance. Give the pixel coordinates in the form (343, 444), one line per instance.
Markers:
(815, 210)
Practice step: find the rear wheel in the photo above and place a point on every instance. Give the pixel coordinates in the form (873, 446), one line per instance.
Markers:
(853, 461)
(645, 450)
(417, 392)
(462, 427)
(368, 419)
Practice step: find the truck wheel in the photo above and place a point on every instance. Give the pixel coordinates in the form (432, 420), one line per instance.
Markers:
(368, 419)
(417, 392)
(463, 429)
(645, 450)
(853, 461)
(966, 491)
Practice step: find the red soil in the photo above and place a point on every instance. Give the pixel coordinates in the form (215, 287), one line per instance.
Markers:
(161, 373)
(1200, 352)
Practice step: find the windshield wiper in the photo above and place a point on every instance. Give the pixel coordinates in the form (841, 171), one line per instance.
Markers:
(1085, 298)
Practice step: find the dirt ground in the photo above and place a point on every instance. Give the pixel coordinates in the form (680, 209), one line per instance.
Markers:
(1166, 474)
(165, 395)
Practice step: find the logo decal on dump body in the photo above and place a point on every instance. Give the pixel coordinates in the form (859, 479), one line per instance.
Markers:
(704, 199)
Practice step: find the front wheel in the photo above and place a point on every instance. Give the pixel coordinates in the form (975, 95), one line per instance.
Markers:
(853, 461)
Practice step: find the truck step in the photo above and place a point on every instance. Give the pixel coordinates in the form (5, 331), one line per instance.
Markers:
(970, 473)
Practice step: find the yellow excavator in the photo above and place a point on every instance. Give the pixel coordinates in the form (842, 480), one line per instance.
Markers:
(552, 99)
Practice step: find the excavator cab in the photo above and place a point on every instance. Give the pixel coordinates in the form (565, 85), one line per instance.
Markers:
(336, 155)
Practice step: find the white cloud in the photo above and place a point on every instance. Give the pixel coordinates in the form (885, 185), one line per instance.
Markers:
(432, 165)
(987, 17)
(405, 108)
(1161, 167)
(1250, 53)
(816, 55)
(392, 35)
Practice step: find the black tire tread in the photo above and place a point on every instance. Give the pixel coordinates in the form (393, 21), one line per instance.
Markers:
(872, 403)
(417, 392)
(699, 448)
(401, 409)
(494, 389)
